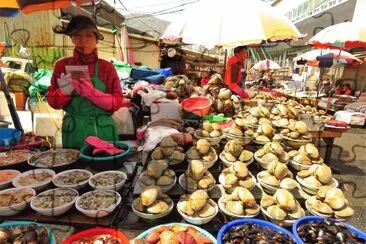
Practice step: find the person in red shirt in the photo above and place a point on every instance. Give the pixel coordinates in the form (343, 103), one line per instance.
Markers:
(88, 103)
(233, 73)
(347, 90)
(206, 78)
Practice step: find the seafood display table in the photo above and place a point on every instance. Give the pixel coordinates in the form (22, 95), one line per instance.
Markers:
(74, 217)
(328, 136)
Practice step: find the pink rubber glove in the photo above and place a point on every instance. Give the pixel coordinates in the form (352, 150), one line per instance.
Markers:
(237, 90)
(86, 89)
(102, 146)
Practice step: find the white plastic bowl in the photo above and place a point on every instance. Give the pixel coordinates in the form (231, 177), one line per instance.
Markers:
(206, 163)
(222, 182)
(38, 186)
(16, 208)
(114, 187)
(74, 186)
(267, 188)
(264, 164)
(230, 214)
(57, 210)
(244, 139)
(149, 216)
(190, 190)
(163, 189)
(6, 184)
(311, 189)
(199, 220)
(212, 140)
(101, 212)
(285, 222)
(297, 166)
(228, 163)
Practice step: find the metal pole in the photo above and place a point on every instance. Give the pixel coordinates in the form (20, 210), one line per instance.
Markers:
(225, 63)
(13, 112)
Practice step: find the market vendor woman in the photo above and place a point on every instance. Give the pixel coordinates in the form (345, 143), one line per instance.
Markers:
(233, 75)
(88, 103)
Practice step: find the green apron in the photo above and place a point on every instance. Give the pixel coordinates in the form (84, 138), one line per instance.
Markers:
(83, 119)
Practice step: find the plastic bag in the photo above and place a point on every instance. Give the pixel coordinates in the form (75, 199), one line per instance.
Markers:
(155, 134)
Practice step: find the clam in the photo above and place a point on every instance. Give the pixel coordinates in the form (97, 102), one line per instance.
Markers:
(231, 179)
(137, 204)
(312, 181)
(147, 180)
(276, 212)
(301, 158)
(193, 153)
(297, 213)
(157, 154)
(303, 173)
(252, 210)
(155, 169)
(245, 196)
(198, 199)
(261, 152)
(264, 121)
(292, 153)
(293, 135)
(197, 169)
(282, 122)
(249, 183)
(206, 182)
(235, 131)
(276, 148)
(216, 126)
(311, 150)
(204, 133)
(203, 146)
(262, 138)
(177, 157)
(240, 123)
(207, 126)
(167, 146)
(288, 184)
(190, 183)
(323, 190)
(267, 201)
(324, 174)
(229, 157)
(335, 198)
(249, 132)
(185, 207)
(235, 207)
(267, 130)
(344, 213)
(164, 181)
(277, 138)
(240, 169)
(235, 147)
(158, 207)
(206, 211)
(269, 157)
(169, 172)
(264, 112)
(285, 199)
(215, 133)
(271, 180)
(281, 171)
(322, 208)
(255, 111)
(245, 156)
(301, 127)
(149, 195)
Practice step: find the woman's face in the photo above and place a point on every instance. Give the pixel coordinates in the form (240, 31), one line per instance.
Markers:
(85, 41)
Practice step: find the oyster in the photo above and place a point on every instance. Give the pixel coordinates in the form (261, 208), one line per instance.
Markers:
(198, 199)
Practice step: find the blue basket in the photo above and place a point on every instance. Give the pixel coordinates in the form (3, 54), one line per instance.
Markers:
(10, 224)
(259, 222)
(9, 137)
(307, 219)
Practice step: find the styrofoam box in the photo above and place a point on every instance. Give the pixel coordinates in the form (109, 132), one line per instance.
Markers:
(4, 109)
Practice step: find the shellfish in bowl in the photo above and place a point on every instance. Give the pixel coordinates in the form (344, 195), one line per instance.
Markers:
(237, 175)
(158, 174)
(272, 151)
(234, 152)
(197, 177)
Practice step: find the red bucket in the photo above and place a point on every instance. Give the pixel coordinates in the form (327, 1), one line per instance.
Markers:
(95, 232)
(198, 105)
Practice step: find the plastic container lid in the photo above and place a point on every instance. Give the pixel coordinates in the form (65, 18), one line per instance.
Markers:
(198, 105)
(307, 219)
(259, 222)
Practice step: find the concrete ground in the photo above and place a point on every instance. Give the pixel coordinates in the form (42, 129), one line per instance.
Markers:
(349, 157)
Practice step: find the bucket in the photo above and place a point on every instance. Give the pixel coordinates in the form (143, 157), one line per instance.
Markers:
(198, 105)
(9, 137)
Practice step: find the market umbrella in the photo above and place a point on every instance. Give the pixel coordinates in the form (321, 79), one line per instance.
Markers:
(266, 64)
(230, 23)
(341, 36)
(338, 56)
(9, 8)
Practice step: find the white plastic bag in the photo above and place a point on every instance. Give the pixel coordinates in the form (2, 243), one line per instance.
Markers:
(124, 122)
(154, 135)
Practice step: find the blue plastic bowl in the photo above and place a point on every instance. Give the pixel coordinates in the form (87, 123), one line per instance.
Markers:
(259, 222)
(10, 224)
(307, 219)
(9, 137)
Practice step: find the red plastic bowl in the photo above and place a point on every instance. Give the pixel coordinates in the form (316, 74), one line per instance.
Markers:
(198, 105)
(97, 231)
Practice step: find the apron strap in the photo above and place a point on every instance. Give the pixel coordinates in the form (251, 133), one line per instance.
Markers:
(96, 69)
